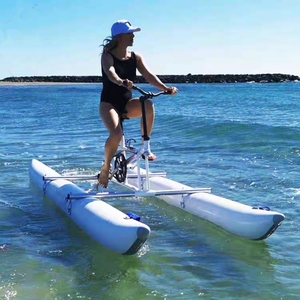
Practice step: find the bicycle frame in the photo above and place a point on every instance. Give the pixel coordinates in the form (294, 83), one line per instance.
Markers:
(136, 154)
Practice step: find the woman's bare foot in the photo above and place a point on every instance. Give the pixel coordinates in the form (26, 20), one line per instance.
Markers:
(151, 156)
(103, 177)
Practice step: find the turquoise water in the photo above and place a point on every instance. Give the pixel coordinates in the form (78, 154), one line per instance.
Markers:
(242, 140)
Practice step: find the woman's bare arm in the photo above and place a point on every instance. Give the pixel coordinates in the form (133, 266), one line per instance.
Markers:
(107, 63)
(148, 75)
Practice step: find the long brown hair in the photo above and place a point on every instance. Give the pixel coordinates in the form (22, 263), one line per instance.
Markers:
(109, 44)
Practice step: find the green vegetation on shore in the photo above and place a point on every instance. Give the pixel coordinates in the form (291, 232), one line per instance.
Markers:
(189, 78)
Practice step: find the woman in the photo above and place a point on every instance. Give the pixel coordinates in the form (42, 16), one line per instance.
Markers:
(118, 72)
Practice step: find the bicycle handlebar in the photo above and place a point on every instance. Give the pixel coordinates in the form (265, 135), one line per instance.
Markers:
(149, 95)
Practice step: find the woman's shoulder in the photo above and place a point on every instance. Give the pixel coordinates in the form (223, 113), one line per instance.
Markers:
(107, 56)
(135, 55)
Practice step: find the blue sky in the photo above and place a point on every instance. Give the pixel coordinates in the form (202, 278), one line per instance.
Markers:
(62, 37)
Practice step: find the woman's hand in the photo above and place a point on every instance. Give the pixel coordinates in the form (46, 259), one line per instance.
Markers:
(172, 90)
(128, 84)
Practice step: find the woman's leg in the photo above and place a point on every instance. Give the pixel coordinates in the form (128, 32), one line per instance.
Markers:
(134, 110)
(111, 121)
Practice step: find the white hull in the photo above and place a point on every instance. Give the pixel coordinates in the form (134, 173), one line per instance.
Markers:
(107, 225)
(236, 218)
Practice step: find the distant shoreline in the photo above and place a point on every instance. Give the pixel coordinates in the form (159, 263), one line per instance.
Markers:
(189, 78)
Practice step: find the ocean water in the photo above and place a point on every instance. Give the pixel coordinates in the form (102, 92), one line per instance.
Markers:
(242, 140)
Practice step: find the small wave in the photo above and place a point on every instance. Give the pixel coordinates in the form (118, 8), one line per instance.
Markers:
(5, 246)
(10, 295)
(293, 194)
(145, 248)
(295, 191)
(77, 171)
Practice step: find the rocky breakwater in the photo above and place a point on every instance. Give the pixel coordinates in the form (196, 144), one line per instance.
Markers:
(189, 78)
(229, 78)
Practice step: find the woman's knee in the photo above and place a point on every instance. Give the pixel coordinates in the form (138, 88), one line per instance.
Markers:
(116, 133)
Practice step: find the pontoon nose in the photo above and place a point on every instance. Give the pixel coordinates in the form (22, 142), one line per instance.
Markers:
(278, 219)
(142, 235)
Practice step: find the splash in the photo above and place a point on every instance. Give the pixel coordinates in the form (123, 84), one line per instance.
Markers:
(144, 249)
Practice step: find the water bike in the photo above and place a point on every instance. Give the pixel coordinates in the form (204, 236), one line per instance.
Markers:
(125, 233)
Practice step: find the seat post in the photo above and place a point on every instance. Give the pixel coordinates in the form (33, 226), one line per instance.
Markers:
(145, 134)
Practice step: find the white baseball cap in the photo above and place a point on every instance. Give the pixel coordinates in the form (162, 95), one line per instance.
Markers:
(123, 26)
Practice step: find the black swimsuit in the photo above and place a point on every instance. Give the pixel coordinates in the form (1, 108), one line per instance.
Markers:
(114, 94)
